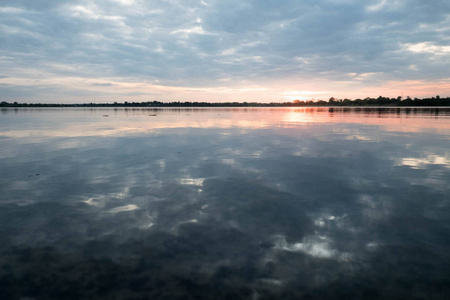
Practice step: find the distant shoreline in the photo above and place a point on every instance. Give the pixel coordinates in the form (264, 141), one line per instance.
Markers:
(332, 102)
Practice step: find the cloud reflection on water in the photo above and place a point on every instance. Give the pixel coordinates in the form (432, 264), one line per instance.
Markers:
(265, 210)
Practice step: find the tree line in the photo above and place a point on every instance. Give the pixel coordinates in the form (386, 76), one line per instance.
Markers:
(380, 101)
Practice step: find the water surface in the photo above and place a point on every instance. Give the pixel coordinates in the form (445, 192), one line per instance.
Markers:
(245, 203)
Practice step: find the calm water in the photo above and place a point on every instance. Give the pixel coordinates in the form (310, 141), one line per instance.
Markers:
(295, 203)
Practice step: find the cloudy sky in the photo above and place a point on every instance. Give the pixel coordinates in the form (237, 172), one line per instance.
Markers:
(222, 50)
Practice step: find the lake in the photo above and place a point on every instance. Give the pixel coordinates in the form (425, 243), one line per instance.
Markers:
(225, 203)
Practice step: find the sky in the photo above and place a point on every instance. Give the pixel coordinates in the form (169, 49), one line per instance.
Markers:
(81, 51)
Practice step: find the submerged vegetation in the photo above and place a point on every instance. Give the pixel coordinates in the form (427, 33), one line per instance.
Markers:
(380, 101)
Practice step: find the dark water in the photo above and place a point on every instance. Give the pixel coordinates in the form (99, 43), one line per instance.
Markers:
(266, 203)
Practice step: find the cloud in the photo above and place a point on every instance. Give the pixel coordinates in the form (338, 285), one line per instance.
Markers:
(190, 44)
(102, 84)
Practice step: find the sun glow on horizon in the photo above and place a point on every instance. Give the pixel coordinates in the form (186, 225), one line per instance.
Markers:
(113, 89)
